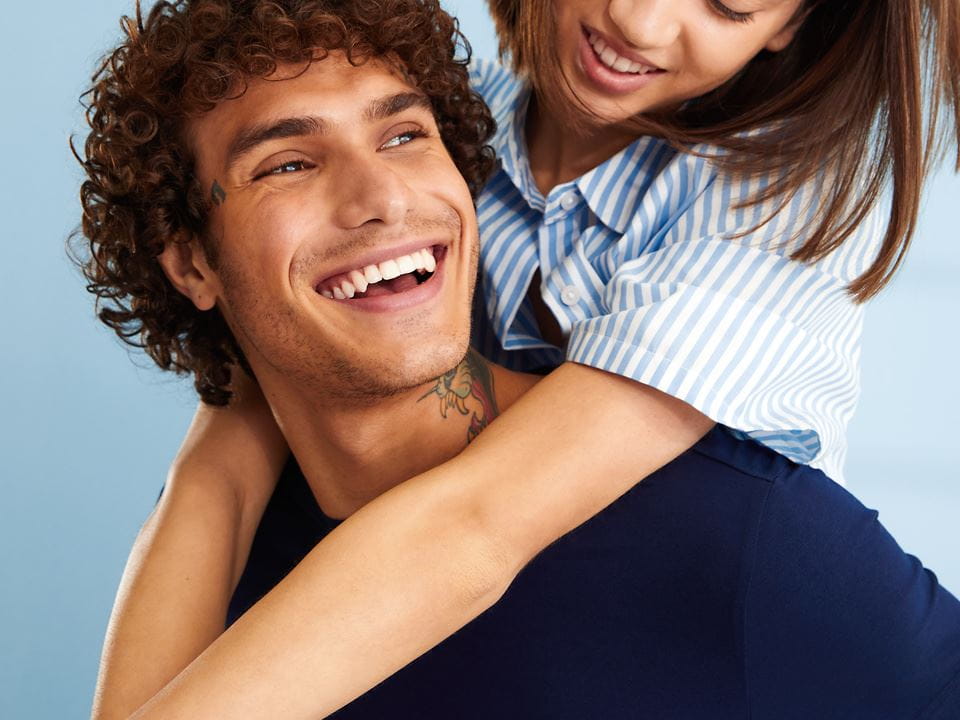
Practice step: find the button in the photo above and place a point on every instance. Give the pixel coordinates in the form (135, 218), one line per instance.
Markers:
(568, 200)
(570, 295)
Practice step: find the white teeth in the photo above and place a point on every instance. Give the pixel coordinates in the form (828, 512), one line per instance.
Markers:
(359, 281)
(389, 269)
(609, 57)
(372, 274)
(423, 259)
(430, 264)
(406, 264)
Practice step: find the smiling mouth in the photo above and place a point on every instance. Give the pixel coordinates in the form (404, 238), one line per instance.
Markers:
(388, 277)
(608, 57)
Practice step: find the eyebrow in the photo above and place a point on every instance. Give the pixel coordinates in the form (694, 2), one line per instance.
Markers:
(385, 107)
(379, 109)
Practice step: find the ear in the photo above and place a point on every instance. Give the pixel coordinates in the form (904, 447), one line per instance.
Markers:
(185, 265)
(783, 38)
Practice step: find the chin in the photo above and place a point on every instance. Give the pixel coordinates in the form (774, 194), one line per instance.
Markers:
(405, 369)
(423, 367)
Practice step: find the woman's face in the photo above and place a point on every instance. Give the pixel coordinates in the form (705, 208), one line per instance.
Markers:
(626, 57)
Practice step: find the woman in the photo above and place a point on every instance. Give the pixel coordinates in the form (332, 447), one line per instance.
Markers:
(673, 279)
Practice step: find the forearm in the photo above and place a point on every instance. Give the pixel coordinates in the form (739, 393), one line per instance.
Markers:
(188, 557)
(172, 599)
(393, 580)
(567, 449)
(422, 560)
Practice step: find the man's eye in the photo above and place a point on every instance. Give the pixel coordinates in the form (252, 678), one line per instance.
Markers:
(403, 138)
(285, 168)
(730, 14)
(288, 167)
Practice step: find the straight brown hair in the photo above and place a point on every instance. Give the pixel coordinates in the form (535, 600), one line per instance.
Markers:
(868, 92)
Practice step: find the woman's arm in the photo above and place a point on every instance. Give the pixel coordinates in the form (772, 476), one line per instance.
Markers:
(189, 555)
(423, 559)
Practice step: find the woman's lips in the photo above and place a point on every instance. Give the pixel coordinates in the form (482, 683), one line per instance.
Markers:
(607, 79)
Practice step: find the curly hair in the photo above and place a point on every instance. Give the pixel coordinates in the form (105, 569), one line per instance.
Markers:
(141, 193)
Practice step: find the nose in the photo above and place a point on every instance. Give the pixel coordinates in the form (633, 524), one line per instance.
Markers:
(368, 190)
(647, 24)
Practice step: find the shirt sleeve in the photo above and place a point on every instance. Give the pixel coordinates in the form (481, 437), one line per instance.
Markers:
(713, 311)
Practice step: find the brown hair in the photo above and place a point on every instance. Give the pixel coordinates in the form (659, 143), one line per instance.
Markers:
(188, 55)
(860, 93)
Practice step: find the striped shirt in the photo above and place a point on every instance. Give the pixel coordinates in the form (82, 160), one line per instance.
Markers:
(653, 274)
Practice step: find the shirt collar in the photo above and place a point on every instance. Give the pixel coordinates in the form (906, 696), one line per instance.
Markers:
(614, 189)
(511, 144)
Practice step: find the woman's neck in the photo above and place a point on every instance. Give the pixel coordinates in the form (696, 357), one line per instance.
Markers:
(559, 151)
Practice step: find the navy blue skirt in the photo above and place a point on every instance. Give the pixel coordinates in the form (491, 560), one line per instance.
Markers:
(732, 583)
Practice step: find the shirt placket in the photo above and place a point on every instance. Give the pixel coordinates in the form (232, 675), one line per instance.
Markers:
(564, 289)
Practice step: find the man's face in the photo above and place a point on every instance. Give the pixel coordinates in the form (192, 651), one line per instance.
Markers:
(324, 182)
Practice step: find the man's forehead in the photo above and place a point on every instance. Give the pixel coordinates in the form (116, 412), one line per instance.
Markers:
(333, 78)
(308, 99)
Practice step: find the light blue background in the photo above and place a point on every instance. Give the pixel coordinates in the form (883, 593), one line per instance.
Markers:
(88, 430)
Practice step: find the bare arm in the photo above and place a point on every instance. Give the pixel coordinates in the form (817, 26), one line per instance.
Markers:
(189, 554)
(425, 558)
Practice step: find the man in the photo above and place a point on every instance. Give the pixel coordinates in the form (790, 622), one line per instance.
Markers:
(322, 217)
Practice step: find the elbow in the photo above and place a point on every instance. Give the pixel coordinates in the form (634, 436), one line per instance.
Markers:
(492, 561)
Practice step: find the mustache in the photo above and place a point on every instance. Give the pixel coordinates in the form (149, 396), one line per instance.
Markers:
(350, 243)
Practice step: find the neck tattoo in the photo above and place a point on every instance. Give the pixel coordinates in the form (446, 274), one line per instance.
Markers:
(468, 389)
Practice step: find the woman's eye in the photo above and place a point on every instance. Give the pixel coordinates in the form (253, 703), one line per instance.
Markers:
(731, 14)
(403, 138)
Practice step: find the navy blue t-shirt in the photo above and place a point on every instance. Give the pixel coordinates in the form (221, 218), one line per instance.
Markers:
(730, 584)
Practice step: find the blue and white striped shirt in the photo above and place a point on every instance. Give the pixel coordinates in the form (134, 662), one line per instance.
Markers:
(652, 274)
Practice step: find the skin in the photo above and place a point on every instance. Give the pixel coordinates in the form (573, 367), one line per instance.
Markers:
(298, 209)
(289, 211)
(491, 524)
(695, 43)
(291, 216)
(421, 557)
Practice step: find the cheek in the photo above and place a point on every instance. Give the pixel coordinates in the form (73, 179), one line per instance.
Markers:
(434, 174)
(455, 210)
(257, 244)
(713, 59)
(272, 224)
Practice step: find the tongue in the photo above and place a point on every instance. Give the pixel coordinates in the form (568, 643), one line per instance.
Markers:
(389, 287)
